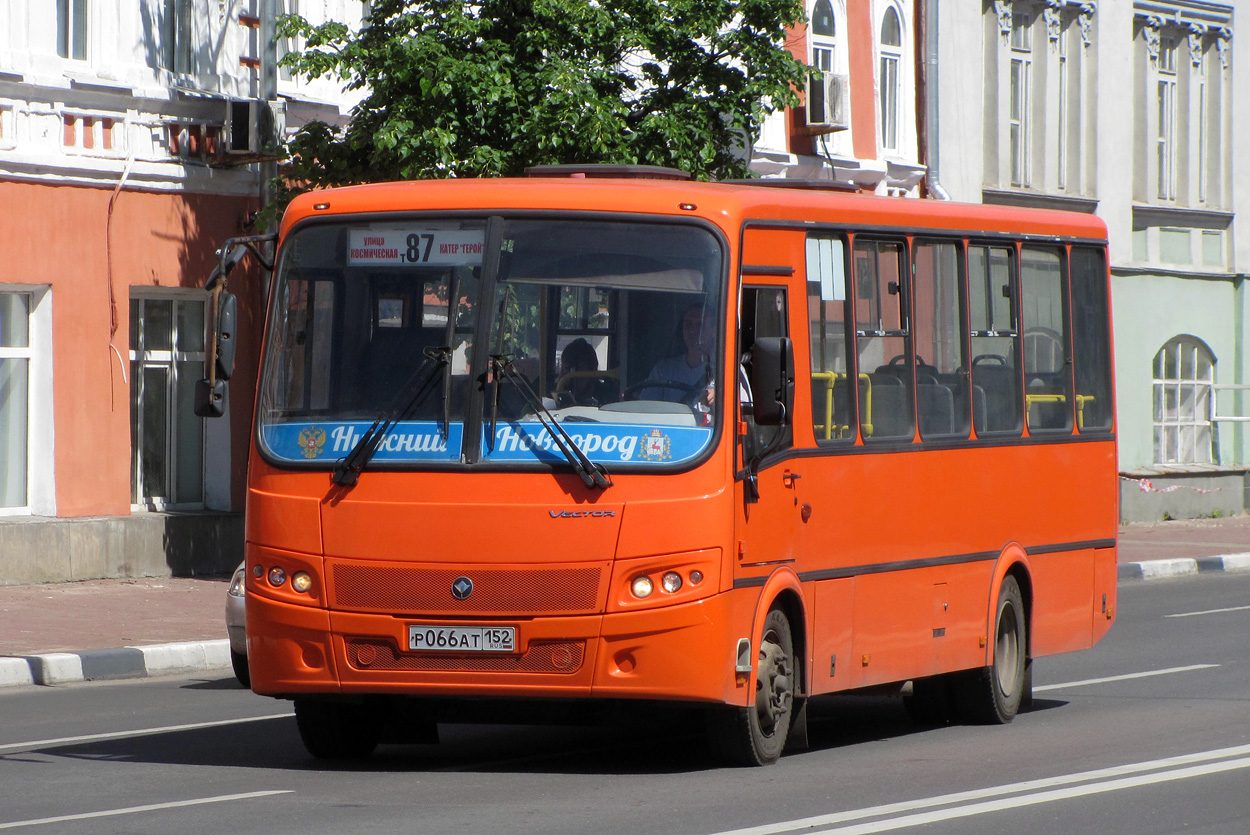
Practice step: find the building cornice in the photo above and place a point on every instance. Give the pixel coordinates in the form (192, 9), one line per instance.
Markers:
(1039, 200)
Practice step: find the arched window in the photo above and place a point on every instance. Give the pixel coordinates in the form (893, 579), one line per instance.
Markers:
(891, 61)
(1184, 376)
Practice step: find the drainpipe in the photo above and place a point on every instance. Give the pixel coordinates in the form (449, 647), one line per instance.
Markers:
(930, 85)
(270, 116)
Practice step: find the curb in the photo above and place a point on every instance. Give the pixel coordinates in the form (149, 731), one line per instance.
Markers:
(1161, 569)
(114, 664)
(202, 656)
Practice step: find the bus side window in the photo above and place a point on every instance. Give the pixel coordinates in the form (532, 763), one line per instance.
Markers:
(996, 403)
(943, 396)
(308, 324)
(882, 337)
(1047, 386)
(832, 394)
(1091, 339)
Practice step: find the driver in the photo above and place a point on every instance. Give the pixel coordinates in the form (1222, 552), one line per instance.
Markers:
(679, 377)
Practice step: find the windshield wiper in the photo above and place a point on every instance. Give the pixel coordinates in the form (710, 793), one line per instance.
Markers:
(593, 475)
(347, 471)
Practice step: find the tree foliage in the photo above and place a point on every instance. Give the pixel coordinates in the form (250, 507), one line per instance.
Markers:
(456, 89)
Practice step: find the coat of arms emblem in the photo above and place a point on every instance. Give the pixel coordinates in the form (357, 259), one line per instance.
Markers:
(656, 446)
(311, 440)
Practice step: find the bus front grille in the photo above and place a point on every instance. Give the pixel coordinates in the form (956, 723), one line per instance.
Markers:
(404, 590)
(540, 657)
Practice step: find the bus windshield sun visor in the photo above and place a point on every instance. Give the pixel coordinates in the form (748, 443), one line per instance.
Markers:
(592, 474)
(411, 395)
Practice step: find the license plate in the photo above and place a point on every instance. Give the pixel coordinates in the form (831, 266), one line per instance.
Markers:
(461, 638)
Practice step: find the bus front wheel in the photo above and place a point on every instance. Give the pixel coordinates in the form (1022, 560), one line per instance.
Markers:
(756, 735)
(992, 695)
(335, 730)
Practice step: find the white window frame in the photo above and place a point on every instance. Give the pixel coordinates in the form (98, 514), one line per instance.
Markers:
(40, 481)
(1182, 400)
(1020, 99)
(289, 45)
(1165, 114)
(71, 43)
(178, 37)
(824, 47)
(1203, 107)
(889, 81)
(168, 359)
(1062, 121)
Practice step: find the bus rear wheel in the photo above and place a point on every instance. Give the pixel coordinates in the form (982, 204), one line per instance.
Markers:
(756, 735)
(335, 730)
(992, 695)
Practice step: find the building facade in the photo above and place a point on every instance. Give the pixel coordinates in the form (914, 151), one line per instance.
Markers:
(133, 139)
(858, 124)
(1123, 108)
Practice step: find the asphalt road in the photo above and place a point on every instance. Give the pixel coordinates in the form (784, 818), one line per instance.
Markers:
(1147, 733)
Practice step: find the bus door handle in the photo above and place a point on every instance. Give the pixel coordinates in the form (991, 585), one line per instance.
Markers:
(788, 478)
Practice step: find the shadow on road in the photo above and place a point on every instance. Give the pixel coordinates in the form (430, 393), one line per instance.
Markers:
(657, 741)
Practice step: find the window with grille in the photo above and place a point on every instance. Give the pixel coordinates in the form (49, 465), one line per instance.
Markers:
(1184, 377)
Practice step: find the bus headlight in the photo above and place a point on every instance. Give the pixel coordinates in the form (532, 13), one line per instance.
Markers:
(301, 581)
(670, 582)
(642, 587)
(277, 576)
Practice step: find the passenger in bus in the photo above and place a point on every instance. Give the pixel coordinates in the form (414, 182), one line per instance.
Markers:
(584, 389)
(686, 377)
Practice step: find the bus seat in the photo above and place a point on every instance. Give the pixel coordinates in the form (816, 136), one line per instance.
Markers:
(1000, 404)
(887, 406)
(935, 405)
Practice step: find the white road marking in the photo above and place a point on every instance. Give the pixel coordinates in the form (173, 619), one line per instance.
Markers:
(66, 740)
(1031, 792)
(1209, 612)
(1125, 677)
(151, 807)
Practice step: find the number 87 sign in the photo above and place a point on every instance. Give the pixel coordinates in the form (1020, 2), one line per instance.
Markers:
(415, 247)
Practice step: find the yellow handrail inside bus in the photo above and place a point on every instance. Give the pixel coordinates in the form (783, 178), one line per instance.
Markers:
(1081, 400)
(829, 378)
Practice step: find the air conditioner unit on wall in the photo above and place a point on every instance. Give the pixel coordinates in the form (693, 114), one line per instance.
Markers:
(828, 102)
(242, 134)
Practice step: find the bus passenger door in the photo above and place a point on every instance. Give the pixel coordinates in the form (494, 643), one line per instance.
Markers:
(770, 507)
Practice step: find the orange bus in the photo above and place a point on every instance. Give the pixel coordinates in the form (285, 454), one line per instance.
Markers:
(611, 435)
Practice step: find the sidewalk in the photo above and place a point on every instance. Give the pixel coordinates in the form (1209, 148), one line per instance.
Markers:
(112, 629)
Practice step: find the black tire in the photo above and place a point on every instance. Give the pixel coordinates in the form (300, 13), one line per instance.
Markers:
(757, 734)
(335, 730)
(992, 695)
(238, 661)
(930, 702)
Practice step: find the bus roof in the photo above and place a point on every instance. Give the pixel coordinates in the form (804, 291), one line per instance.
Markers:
(728, 204)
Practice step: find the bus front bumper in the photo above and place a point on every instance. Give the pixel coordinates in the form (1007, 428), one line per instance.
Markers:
(684, 652)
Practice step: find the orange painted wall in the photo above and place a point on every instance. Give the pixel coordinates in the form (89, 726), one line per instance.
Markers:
(57, 235)
(861, 67)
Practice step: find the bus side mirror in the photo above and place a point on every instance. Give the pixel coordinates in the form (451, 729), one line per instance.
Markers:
(772, 380)
(227, 316)
(210, 398)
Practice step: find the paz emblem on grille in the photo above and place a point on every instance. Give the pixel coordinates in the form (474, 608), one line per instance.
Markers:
(461, 588)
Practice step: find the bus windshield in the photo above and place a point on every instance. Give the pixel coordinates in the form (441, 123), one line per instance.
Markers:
(464, 336)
